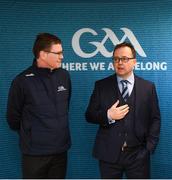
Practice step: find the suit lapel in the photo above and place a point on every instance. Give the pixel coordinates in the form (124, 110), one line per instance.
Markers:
(113, 90)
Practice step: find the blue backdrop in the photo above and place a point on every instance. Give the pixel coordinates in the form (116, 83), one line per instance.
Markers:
(89, 31)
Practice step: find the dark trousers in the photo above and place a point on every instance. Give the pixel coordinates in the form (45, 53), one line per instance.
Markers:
(44, 167)
(134, 163)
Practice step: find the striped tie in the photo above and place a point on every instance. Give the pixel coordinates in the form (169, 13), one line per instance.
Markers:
(125, 92)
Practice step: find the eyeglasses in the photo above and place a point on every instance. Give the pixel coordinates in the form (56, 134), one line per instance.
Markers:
(122, 59)
(57, 53)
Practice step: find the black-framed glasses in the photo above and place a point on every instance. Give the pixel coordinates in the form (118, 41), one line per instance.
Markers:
(57, 53)
(122, 59)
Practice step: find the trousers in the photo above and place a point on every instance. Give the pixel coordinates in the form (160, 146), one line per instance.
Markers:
(44, 166)
(134, 164)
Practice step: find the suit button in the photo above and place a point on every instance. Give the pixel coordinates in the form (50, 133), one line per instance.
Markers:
(119, 134)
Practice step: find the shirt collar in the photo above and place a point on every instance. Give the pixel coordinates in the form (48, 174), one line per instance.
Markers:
(130, 79)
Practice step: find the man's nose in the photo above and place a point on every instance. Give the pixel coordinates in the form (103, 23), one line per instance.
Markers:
(120, 61)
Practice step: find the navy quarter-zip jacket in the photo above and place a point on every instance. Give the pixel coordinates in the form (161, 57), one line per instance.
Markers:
(38, 105)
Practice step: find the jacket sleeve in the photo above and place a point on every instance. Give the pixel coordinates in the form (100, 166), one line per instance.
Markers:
(95, 113)
(155, 122)
(14, 105)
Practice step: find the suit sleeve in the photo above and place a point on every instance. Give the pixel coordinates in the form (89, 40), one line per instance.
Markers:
(14, 105)
(154, 126)
(95, 113)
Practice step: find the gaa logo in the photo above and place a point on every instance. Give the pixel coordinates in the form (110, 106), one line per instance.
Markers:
(110, 35)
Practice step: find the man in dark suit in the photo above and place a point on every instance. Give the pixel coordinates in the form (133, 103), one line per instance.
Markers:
(126, 108)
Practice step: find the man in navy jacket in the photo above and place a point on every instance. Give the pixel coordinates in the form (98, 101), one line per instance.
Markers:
(126, 108)
(38, 105)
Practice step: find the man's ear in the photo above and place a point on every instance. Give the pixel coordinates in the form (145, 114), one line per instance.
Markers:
(42, 54)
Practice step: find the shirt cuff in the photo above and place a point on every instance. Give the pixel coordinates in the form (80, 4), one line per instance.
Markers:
(110, 121)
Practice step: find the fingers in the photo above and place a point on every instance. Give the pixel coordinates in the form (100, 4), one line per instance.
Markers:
(123, 107)
(125, 111)
(114, 106)
(120, 112)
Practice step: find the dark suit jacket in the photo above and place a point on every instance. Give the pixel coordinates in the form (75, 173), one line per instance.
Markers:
(146, 117)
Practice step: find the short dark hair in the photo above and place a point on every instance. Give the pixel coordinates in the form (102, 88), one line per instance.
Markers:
(125, 44)
(44, 41)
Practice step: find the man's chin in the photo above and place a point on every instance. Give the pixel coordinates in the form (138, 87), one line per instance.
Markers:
(120, 73)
